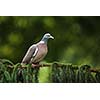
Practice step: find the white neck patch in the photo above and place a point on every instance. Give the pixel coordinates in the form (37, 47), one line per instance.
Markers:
(41, 42)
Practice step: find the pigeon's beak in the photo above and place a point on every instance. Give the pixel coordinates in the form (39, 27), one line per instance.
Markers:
(51, 37)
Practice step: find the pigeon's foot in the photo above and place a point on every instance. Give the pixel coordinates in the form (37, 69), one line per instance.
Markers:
(35, 65)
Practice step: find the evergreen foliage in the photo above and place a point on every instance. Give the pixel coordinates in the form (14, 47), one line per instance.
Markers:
(60, 73)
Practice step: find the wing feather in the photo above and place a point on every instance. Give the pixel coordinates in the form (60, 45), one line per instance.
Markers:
(31, 51)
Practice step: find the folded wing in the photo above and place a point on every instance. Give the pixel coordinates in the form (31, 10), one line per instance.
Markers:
(30, 54)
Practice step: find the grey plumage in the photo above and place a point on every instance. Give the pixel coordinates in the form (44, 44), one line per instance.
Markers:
(37, 51)
(29, 54)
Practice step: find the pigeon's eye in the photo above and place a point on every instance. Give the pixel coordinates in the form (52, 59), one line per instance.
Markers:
(48, 35)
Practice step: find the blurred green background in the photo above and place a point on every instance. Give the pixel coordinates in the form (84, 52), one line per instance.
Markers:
(77, 39)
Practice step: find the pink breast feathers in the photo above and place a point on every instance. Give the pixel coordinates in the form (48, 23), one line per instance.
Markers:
(42, 51)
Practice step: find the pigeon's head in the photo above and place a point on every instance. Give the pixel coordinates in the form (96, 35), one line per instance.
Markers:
(48, 36)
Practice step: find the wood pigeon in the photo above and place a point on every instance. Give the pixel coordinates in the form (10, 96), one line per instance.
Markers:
(38, 51)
